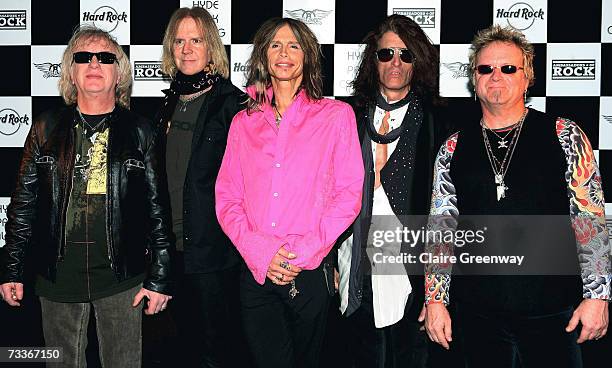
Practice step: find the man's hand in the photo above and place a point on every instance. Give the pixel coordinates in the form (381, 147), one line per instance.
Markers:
(12, 293)
(280, 271)
(438, 324)
(593, 314)
(157, 302)
(422, 317)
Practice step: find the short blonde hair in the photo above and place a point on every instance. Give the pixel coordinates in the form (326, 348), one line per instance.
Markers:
(83, 34)
(218, 56)
(496, 33)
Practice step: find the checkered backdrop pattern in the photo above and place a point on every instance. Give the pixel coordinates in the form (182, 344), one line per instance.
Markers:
(573, 63)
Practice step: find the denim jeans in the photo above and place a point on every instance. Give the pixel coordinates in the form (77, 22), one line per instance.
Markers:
(118, 327)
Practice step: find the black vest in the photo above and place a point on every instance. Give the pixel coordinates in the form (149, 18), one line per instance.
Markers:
(536, 186)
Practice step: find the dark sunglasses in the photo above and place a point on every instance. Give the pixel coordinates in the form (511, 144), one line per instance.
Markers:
(385, 55)
(85, 57)
(506, 69)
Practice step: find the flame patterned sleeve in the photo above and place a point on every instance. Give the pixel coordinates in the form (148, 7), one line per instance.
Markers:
(586, 203)
(443, 216)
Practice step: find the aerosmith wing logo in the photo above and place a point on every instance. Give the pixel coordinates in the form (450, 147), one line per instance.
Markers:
(309, 16)
(458, 69)
(49, 69)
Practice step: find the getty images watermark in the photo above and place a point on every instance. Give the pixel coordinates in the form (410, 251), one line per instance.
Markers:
(449, 238)
(485, 244)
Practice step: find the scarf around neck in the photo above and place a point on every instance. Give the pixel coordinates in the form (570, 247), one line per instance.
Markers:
(183, 84)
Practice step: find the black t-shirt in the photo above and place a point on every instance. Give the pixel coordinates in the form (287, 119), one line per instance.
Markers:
(178, 153)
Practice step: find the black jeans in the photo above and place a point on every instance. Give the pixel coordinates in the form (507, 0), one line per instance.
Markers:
(511, 341)
(210, 321)
(285, 332)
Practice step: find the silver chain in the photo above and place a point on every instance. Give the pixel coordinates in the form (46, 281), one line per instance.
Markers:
(499, 170)
(502, 143)
(186, 101)
(87, 125)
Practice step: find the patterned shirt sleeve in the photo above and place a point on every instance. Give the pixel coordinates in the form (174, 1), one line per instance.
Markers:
(443, 217)
(586, 201)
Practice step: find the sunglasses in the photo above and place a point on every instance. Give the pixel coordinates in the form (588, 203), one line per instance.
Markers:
(506, 69)
(385, 55)
(85, 57)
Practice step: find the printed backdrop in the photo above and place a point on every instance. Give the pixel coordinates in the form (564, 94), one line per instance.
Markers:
(573, 62)
(573, 66)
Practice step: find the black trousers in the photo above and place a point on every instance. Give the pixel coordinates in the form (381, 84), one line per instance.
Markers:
(510, 341)
(210, 321)
(399, 345)
(280, 331)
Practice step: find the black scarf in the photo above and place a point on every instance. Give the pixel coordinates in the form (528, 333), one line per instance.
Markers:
(183, 84)
(413, 117)
(396, 175)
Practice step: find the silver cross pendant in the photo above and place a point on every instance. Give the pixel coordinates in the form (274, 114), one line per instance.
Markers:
(502, 144)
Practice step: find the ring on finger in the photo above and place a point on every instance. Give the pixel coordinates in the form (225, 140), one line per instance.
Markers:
(285, 265)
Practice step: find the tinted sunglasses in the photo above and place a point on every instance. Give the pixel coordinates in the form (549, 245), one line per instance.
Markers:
(385, 55)
(506, 69)
(85, 57)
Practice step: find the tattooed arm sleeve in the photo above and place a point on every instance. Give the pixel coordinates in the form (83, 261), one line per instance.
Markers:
(586, 203)
(442, 217)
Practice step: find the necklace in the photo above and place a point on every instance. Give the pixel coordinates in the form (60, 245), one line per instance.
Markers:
(503, 143)
(277, 115)
(500, 169)
(185, 101)
(87, 125)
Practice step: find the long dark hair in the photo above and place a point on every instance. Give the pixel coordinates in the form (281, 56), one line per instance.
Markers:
(425, 67)
(258, 75)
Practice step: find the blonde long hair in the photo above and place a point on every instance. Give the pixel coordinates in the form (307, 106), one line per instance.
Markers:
(218, 56)
(83, 34)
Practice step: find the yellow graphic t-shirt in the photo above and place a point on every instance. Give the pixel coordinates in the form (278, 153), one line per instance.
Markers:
(96, 182)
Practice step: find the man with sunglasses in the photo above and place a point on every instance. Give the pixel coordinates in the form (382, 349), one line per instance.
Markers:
(91, 210)
(515, 163)
(395, 98)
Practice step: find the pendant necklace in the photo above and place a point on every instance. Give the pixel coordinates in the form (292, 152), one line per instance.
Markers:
(277, 115)
(500, 169)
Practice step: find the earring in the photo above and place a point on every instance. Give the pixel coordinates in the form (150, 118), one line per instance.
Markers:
(475, 96)
(525, 96)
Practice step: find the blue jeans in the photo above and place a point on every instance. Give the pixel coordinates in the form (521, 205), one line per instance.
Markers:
(118, 326)
(517, 341)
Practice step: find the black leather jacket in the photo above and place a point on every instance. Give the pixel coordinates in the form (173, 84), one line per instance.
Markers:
(138, 224)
